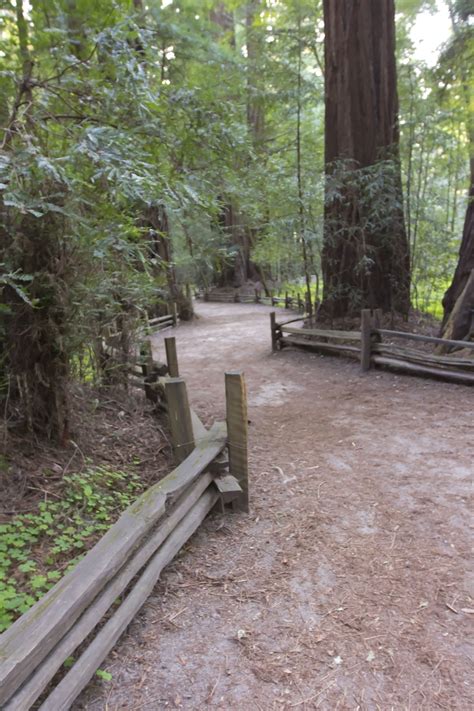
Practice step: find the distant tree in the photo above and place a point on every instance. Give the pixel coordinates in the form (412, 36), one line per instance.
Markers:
(365, 259)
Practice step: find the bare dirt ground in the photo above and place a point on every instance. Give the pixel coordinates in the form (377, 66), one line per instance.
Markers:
(349, 585)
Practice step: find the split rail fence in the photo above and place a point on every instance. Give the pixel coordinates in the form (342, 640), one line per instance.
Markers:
(139, 369)
(376, 346)
(80, 613)
(288, 302)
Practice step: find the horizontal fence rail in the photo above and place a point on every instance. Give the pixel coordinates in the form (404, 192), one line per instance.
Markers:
(211, 467)
(373, 346)
(288, 302)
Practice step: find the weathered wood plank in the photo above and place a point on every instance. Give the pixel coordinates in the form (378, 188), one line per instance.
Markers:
(160, 319)
(365, 340)
(174, 312)
(172, 357)
(179, 416)
(199, 430)
(291, 320)
(41, 677)
(83, 670)
(26, 643)
(421, 357)
(228, 487)
(321, 346)
(321, 333)
(455, 376)
(427, 339)
(237, 430)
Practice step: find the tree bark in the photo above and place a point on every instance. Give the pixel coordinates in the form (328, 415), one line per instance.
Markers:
(459, 324)
(464, 266)
(365, 258)
(466, 252)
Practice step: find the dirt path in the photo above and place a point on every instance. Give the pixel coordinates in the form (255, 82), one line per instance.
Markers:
(347, 587)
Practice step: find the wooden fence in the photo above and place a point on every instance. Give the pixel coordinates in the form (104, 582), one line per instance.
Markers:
(287, 301)
(211, 469)
(376, 346)
(139, 369)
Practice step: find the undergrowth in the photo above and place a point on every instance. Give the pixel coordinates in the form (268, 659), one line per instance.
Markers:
(426, 297)
(36, 549)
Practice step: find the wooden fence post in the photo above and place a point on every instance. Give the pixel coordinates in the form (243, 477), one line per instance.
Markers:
(365, 339)
(287, 302)
(273, 327)
(172, 357)
(174, 312)
(179, 413)
(377, 322)
(146, 356)
(237, 433)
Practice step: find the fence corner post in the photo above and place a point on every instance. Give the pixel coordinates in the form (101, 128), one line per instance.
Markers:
(365, 339)
(179, 414)
(172, 357)
(274, 331)
(237, 434)
(174, 312)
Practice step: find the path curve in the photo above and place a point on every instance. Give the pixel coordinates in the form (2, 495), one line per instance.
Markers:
(347, 587)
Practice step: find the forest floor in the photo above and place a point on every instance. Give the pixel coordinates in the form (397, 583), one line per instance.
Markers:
(348, 585)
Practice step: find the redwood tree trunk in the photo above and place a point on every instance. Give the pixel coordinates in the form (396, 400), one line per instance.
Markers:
(463, 269)
(365, 259)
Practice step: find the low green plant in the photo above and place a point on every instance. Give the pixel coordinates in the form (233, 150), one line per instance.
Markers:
(37, 548)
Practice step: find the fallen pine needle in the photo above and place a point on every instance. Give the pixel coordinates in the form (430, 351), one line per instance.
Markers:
(450, 607)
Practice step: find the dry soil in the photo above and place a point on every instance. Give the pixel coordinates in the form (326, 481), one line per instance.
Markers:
(349, 585)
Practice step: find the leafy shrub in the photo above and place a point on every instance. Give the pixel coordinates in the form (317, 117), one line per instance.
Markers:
(37, 548)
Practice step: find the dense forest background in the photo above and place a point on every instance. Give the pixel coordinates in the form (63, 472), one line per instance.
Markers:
(150, 146)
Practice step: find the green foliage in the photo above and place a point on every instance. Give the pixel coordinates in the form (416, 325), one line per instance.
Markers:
(129, 109)
(434, 143)
(37, 548)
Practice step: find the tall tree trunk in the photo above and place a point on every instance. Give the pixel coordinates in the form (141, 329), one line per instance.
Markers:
(364, 264)
(466, 251)
(464, 266)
